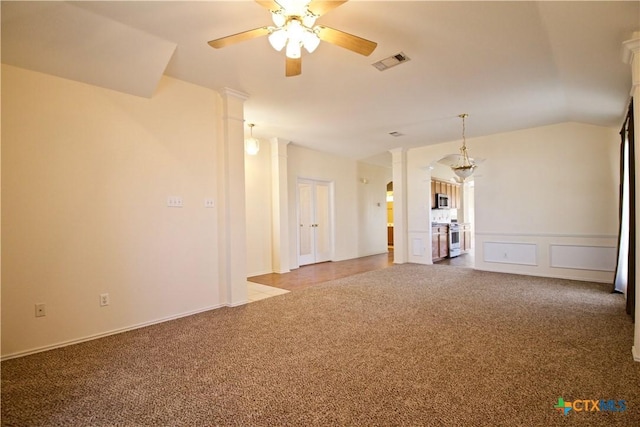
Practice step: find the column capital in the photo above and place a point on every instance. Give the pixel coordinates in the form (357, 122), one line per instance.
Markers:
(398, 155)
(631, 48)
(227, 92)
(631, 56)
(276, 140)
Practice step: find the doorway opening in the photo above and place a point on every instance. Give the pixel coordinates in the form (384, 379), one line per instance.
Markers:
(460, 221)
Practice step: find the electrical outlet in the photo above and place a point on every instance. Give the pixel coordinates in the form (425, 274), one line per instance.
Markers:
(104, 300)
(175, 202)
(208, 203)
(40, 310)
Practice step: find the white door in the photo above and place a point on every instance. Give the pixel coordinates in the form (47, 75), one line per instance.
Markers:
(314, 218)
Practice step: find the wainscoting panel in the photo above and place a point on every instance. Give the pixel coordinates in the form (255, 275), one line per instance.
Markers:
(566, 256)
(599, 258)
(419, 247)
(511, 253)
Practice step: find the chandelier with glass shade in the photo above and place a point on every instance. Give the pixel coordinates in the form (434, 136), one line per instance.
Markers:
(464, 166)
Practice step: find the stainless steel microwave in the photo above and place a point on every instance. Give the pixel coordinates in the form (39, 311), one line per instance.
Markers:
(442, 201)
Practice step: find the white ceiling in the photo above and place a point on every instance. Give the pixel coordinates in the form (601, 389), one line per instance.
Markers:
(508, 64)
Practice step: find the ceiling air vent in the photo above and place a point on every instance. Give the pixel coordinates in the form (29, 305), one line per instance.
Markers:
(391, 61)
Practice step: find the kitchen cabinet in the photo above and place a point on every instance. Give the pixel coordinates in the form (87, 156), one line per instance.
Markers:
(456, 196)
(465, 237)
(450, 189)
(439, 242)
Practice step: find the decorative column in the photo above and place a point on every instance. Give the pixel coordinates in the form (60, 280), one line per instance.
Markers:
(400, 236)
(631, 55)
(232, 245)
(279, 207)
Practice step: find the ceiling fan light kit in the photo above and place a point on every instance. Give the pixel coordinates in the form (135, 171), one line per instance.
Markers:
(278, 39)
(278, 18)
(294, 22)
(310, 40)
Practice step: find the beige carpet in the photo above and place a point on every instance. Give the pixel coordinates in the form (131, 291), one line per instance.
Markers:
(406, 345)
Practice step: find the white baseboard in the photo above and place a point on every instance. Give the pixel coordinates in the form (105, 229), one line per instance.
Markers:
(237, 304)
(108, 333)
(371, 253)
(636, 353)
(539, 274)
(260, 273)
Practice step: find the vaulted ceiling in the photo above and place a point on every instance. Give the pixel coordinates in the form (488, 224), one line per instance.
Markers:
(508, 64)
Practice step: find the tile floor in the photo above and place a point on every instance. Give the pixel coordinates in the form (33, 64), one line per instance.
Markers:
(256, 291)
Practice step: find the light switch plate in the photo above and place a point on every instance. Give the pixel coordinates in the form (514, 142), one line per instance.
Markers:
(175, 202)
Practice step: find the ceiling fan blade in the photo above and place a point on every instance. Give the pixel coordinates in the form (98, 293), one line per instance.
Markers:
(321, 7)
(240, 37)
(346, 40)
(293, 67)
(269, 4)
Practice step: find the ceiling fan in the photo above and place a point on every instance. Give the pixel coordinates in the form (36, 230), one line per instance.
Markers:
(294, 29)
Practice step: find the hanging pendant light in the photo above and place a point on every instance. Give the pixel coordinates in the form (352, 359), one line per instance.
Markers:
(464, 167)
(251, 144)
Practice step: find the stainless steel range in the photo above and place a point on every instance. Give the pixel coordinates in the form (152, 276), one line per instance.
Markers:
(454, 240)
